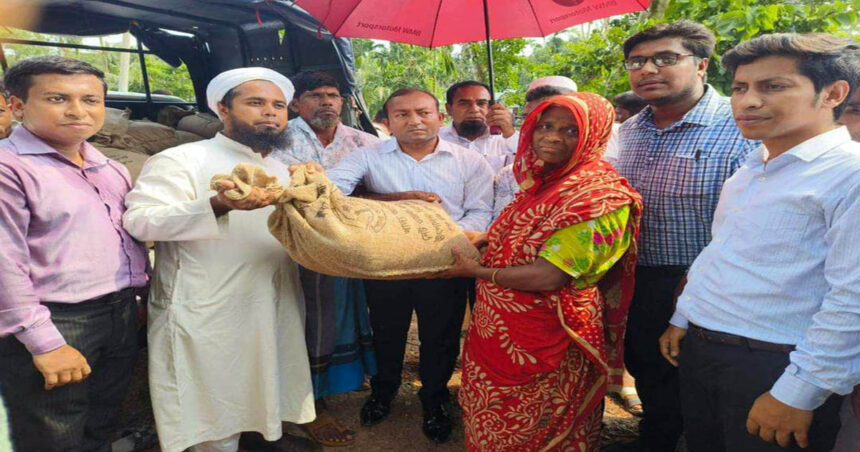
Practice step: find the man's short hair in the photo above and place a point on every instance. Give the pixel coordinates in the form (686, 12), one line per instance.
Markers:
(821, 57)
(452, 91)
(380, 115)
(19, 78)
(629, 101)
(311, 80)
(546, 91)
(3, 89)
(405, 92)
(694, 36)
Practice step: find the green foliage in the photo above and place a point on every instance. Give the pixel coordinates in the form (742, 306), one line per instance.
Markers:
(161, 75)
(385, 67)
(591, 58)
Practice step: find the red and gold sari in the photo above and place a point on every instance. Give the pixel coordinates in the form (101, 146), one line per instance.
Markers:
(536, 366)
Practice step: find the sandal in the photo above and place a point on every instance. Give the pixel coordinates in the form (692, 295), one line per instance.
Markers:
(632, 403)
(327, 431)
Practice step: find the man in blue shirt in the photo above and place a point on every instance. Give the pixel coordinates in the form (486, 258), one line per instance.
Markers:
(417, 164)
(770, 315)
(676, 152)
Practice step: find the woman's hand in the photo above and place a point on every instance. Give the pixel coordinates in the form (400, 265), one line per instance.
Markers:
(463, 267)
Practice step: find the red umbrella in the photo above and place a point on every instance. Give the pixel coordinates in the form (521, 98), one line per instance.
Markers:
(434, 23)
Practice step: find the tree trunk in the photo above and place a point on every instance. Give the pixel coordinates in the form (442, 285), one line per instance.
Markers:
(658, 8)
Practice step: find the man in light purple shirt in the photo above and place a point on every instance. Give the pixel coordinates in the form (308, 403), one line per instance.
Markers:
(67, 267)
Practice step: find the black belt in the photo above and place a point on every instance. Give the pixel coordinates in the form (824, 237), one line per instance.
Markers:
(738, 341)
(108, 298)
(661, 270)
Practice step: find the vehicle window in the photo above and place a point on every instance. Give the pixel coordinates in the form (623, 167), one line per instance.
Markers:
(122, 69)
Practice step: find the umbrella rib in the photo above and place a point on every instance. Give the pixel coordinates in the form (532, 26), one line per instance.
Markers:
(534, 13)
(436, 23)
(354, 7)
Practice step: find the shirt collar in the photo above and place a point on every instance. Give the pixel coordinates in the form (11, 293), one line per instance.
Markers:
(302, 125)
(816, 146)
(306, 128)
(392, 145)
(705, 113)
(452, 132)
(27, 143)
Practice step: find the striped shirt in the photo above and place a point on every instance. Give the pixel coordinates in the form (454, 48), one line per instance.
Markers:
(462, 178)
(782, 267)
(679, 171)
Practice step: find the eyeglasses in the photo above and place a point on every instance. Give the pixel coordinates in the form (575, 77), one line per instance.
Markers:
(660, 60)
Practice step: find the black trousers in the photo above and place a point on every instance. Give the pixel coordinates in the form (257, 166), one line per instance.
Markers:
(719, 384)
(440, 305)
(656, 380)
(77, 416)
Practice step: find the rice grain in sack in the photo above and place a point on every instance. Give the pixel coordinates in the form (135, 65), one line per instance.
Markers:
(330, 233)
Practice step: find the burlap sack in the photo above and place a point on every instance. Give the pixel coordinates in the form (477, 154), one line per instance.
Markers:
(203, 124)
(133, 161)
(150, 137)
(330, 233)
(171, 114)
(113, 132)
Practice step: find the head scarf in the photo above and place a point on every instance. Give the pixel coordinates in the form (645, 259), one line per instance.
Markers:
(559, 81)
(227, 80)
(594, 115)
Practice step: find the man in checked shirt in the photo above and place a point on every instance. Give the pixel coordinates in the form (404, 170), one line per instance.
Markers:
(676, 152)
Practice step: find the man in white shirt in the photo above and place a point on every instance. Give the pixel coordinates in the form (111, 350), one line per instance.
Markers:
(226, 314)
(473, 117)
(418, 165)
(849, 435)
(770, 315)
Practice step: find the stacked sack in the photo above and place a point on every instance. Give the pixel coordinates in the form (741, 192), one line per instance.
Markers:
(131, 142)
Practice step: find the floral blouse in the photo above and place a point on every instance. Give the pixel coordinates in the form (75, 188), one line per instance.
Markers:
(587, 250)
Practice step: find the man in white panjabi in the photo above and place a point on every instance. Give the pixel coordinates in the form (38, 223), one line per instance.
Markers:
(226, 313)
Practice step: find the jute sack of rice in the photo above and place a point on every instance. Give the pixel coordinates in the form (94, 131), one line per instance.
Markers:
(330, 233)
(133, 161)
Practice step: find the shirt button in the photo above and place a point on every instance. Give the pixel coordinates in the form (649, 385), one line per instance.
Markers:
(659, 133)
(736, 209)
(762, 178)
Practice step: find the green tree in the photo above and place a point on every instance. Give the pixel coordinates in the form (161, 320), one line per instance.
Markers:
(592, 54)
(161, 75)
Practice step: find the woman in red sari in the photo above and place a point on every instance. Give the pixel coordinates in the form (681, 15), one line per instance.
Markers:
(554, 285)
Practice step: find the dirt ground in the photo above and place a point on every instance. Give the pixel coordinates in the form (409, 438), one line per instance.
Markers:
(402, 430)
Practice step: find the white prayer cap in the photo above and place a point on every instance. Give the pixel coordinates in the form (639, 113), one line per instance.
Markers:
(558, 81)
(228, 80)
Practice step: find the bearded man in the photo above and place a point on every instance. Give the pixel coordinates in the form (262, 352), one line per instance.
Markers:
(226, 313)
(473, 114)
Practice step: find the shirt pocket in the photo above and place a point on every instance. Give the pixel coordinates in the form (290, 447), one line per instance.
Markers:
(778, 237)
(694, 174)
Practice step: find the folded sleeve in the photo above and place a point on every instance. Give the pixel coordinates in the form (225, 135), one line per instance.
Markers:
(587, 250)
(350, 170)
